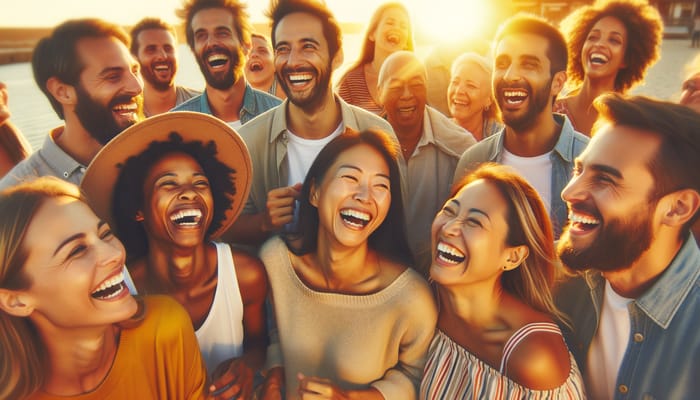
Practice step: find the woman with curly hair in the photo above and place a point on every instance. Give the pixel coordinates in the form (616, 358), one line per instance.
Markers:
(389, 31)
(612, 44)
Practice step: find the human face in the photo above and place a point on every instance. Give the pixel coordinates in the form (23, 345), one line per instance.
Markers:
(522, 81)
(403, 93)
(76, 267)
(391, 33)
(354, 197)
(469, 236)
(217, 47)
(690, 95)
(259, 67)
(178, 204)
(603, 52)
(302, 60)
(611, 209)
(158, 57)
(469, 91)
(109, 89)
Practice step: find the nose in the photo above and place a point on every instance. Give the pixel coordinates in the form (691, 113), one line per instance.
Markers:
(111, 252)
(362, 192)
(294, 58)
(187, 193)
(451, 227)
(134, 83)
(511, 74)
(406, 92)
(574, 190)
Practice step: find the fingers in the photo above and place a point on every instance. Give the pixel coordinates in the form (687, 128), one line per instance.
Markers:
(314, 388)
(280, 206)
(235, 382)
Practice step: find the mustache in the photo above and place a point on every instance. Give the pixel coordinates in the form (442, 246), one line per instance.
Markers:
(290, 70)
(122, 99)
(502, 85)
(585, 209)
(216, 49)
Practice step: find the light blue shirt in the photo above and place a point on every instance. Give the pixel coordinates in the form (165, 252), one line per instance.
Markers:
(255, 102)
(662, 359)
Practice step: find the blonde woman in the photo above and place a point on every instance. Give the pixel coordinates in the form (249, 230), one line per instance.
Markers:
(493, 263)
(68, 326)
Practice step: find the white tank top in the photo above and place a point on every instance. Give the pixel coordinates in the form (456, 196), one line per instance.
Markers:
(221, 335)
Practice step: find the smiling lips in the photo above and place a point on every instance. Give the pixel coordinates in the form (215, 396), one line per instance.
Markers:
(514, 96)
(449, 254)
(355, 218)
(217, 60)
(598, 58)
(300, 78)
(110, 288)
(582, 222)
(187, 218)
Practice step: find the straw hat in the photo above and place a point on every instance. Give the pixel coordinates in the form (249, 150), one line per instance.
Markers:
(102, 173)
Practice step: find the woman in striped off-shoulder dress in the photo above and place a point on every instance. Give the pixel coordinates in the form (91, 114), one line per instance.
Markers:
(493, 264)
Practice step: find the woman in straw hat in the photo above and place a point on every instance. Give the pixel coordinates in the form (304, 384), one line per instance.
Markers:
(168, 186)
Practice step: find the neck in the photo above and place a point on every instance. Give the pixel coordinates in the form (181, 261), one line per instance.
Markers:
(636, 279)
(344, 269)
(263, 85)
(474, 124)
(408, 138)
(78, 360)
(476, 304)
(536, 140)
(226, 104)
(176, 270)
(156, 101)
(76, 141)
(315, 123)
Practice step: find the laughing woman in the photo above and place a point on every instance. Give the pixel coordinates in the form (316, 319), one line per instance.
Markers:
(353, 321)
(169, 185)
(493, 256)
(69, 329)
(611, 45)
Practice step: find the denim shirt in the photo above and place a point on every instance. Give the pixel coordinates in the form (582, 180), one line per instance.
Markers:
(569, 145)
(255, 102)
(662, 360)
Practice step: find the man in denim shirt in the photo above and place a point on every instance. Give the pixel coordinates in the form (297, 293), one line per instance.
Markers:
(218, 33)
(529, 71)
(635, 309)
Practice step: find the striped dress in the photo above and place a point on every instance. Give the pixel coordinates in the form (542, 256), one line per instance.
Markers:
(353, 89)
(453, 373)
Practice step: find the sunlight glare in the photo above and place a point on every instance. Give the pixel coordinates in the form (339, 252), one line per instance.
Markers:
(448, 21)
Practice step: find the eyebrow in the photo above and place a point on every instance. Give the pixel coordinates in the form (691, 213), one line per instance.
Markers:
(476, 210)
(109, 70)
(100, 224)
(606, 169)
(360, 170)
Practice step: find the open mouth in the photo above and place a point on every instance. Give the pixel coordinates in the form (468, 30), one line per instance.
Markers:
(449, 254)
(355, 218)
(598, 59)
(407, 110)
(217, 60)
(187, 218)
(110, 288)
(393, 38)
(161, 67)
(514, 96)
(582, 222)
(255, 66)
(298, 79)
(127, 109)
(459, 102)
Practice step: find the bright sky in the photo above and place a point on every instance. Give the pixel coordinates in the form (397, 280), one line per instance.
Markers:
(449, 18)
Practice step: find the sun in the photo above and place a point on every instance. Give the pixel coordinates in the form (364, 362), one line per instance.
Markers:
(453, 21)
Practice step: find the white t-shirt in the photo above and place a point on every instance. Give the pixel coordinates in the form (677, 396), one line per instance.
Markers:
(236, 125)
(536, 170)
(301, 153)
(608, 346)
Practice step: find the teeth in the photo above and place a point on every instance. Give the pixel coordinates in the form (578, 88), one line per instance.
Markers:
(583, 219)
(126, 107)
(460, 102)
(355, 218)
(113, 281)
(599, 58)
(300, 77)
(515, 93)
(449, 254)
(407, 109)
(187, 217)
(393, 38)
(217, 57)
(161, 68)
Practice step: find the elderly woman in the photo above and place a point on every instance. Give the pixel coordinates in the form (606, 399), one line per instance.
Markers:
(389, 30)
(493, 263)
(170, 185)
(353, 320)
(469, 96)
(68, 326)
(612, 44)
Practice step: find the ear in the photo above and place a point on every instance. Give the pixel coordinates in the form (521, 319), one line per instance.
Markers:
(62, 92)
(15, 303)
(679, 207)
(338, 59)
(515, 256)
(558, 81)
(313, 194)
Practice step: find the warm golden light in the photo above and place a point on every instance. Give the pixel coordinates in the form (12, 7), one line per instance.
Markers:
(449, 21)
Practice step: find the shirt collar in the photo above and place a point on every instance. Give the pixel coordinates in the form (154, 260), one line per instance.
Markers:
(58, 159)
(279, 118)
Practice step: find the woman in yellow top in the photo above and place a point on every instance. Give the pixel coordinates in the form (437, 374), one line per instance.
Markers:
(69, 328)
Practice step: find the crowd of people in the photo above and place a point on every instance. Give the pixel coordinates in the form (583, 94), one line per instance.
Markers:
(279, 236)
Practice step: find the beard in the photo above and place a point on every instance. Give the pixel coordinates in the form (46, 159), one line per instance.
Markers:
(538, 100)
(151, 77)
(618, 244)
(315, 96)
(98, 119)
(223, 80)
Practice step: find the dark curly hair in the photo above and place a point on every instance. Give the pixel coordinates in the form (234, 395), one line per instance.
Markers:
(644, 32)
(128, 197)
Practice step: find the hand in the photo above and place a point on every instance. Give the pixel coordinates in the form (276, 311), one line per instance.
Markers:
(280, 207)
(4, 108)
(272, 386)
(313, 388)
(232, 379)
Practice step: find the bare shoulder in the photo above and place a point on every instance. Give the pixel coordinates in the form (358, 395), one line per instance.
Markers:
(540, 361)
(251, 276)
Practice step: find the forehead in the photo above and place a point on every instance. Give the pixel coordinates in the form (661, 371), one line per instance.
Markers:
(149, 36)
(610, 23)
(299, 26)
(103, 52)
(470, 70)
(260, 42)
(57, 219)
(363, 156)
(621, 147)
(523, 44)
(483, 195)
(212, 17)
(394, 13)
(404, 67)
